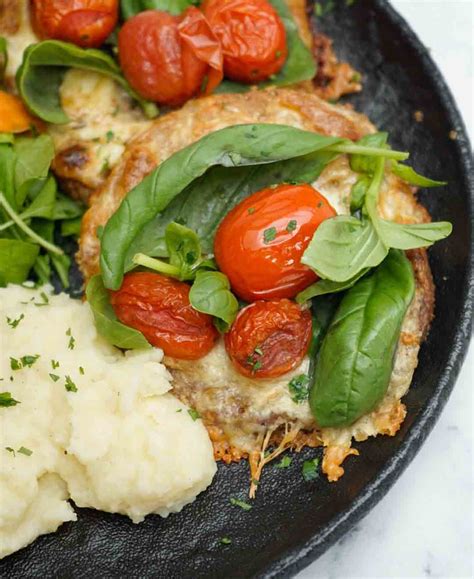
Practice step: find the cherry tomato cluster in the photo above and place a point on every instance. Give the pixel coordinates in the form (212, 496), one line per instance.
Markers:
(169, 59)
(258, 245)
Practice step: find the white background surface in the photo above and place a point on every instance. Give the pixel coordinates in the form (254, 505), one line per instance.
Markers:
(424, 526)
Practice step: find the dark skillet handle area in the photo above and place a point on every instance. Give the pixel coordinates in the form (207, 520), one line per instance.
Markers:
(292, 521)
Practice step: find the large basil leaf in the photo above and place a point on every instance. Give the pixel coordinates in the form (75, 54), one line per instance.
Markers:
(355, 361)
(299, 65)
(16, 259)
(411, 236)
(204, 203)
(131, 7)
(106, 321)
(210, 294)
(409, 175)
(240, 145)
(41, 73)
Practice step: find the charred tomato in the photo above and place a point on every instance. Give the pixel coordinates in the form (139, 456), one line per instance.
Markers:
(268, 339)
(169, 59)
(159, 307)
(259, 243)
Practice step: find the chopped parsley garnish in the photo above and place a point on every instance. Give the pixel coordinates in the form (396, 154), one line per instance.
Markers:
(269, 235)
(72, 341)
(310, 469)
(14, 323)
(291, 225)
(109, 135)
(226, 541)
(238, 503)
(251, 210)
(54, 364)
(15, 364)
(81, 370)
(284, 462)
(253, 359)
(193, 413)
(69, 385)
(10, 449)
(28, 361)
(25, 451)
(44, 302)
(54, 377)
(6, 400)
(299, 388)
(179, 410)
(277, 54)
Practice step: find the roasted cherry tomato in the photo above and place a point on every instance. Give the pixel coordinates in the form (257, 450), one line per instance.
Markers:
(169, 59)
(84, 22)
(268, 339)
(260, 242)
(253, 37)
(159, 307)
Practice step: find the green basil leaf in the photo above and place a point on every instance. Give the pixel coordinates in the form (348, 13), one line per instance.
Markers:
(41, 73)
(299, 65)
(204, 203)
(409, 175)
(71, 227)
(358, 193)
(411, 236)
(355, 361)
(364, 163)
(342, 247)
(234, 146)
(326, 286)
(210, 294)
(3, 59)
(106, 321)
(184, 249)
(131, 7)
(16, 259)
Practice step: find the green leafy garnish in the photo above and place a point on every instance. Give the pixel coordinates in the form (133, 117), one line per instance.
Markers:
(54, 377)
(284, 462)
(28, 361)
(194, 414)
(291, 225)
(6, 400)
(238, 503)
(226, 541)
(69, 385)
(210, 294)
(310, 469)
(269, 235)
(25, 451)
(299, 388)
(13, 323)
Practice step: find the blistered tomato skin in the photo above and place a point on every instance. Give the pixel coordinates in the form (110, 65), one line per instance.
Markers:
(253, 38)
(159, 307)
(268, 339)
(169, 59)
(86, 23)
(259, 244)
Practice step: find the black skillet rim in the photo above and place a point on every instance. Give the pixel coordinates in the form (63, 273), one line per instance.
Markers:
(299, 558)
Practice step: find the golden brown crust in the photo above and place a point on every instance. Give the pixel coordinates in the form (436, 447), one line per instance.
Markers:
(197, 118)
(10, 16)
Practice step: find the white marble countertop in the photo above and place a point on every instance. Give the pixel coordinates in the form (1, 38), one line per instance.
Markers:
(424, 526)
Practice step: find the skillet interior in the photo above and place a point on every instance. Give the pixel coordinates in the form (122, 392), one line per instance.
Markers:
(292, 521)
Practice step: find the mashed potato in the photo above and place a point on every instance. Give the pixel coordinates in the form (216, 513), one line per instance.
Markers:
(92, 424)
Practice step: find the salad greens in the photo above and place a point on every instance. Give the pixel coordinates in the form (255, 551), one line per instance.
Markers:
(30, 205)
(130, 8)
(210, 294)
(42, 70)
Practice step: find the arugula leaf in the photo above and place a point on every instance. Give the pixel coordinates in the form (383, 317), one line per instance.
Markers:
(16, 259)
(409, 175)
(284, 462)
(131, 7)
(184, 249)
(33, 159)
(43, 205)
(210, 294)
(310, 469)
(106, 321)
(358, 193)
(42, 70)
(71, 227)
(7, 172)
(66, 208)
(411, 236)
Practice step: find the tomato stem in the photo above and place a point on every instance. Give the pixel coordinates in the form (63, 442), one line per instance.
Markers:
(156, 264)
(354, 149)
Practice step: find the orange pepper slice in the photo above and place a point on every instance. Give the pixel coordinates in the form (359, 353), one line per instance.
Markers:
(14, 118)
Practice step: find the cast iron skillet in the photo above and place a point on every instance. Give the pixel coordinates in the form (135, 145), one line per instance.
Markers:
(293, 521)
